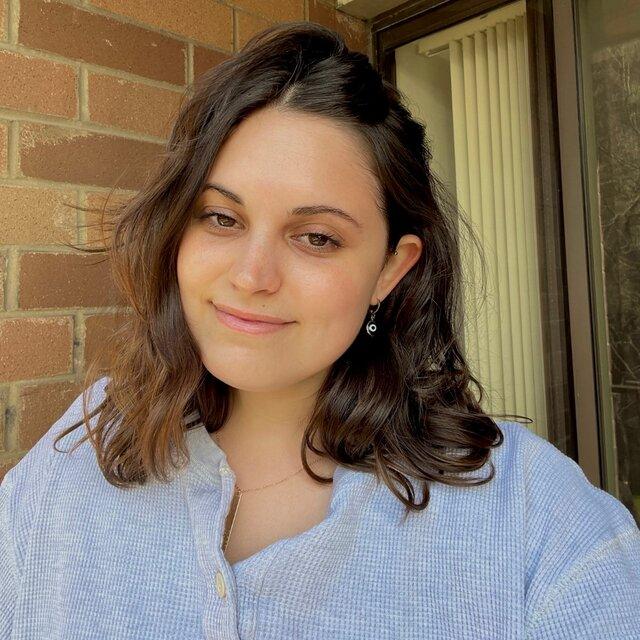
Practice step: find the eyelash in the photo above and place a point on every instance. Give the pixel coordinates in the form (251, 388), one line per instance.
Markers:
(332, 239)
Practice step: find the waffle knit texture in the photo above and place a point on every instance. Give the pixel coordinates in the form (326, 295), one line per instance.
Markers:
(538, 553)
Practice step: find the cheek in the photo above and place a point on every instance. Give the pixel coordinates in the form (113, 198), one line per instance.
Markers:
(192, 264)
(332, 320)
(191, 272)
(335, 306)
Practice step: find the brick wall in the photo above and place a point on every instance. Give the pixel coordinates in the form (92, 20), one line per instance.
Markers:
(87, 86)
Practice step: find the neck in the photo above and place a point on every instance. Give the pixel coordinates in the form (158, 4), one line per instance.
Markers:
(264, 431)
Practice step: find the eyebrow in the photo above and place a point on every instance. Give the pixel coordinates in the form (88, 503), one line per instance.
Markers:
(308, 210)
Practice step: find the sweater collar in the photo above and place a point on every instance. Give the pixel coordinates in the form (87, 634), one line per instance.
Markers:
(207, 455)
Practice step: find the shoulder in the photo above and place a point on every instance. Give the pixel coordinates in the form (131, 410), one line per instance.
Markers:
(575, 534)
(560, 495)
(557, 496)
(25, 484)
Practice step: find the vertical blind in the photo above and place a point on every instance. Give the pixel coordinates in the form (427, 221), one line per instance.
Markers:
(494, 184)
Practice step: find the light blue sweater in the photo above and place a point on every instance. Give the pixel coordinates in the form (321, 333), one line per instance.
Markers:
(539, 552)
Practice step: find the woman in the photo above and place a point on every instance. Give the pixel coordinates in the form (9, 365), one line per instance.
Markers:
(294, 281)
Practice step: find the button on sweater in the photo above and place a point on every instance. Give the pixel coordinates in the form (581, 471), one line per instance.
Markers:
(537, 553)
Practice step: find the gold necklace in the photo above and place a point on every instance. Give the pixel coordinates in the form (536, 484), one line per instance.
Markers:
(235, 502)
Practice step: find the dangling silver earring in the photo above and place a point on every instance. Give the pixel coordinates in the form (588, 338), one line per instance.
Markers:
(371, 326)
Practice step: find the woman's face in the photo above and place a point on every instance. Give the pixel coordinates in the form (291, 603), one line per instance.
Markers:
(246, 250)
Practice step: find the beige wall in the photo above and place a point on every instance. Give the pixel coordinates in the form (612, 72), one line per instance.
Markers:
(87, 86)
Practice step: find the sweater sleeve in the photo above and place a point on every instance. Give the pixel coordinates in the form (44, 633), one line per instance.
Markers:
(582, 557)
(8, 569)
(21, 492)
(596, 598)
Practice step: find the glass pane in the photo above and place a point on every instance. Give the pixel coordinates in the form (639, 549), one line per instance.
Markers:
(469, 85)
(609, 54)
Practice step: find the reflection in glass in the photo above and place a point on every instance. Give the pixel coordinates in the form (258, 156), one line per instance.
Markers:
(609, 49)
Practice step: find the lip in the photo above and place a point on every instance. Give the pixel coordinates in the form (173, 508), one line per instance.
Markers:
(255, 317)
(248, 326)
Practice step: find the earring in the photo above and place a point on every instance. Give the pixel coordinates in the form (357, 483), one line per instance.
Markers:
(371, 326)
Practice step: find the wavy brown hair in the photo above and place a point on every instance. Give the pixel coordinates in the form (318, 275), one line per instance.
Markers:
(400, 404)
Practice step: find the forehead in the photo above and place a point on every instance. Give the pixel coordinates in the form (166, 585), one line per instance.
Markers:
(296, 156)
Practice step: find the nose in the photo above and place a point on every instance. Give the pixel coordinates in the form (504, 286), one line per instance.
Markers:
(255, 268)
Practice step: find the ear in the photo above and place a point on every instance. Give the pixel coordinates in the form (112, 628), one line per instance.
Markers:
(396, 265)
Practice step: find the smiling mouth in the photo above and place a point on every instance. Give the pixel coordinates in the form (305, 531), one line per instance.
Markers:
(248, 326)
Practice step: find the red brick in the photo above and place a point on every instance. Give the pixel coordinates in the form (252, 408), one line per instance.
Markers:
(83, 35)
(353, 30)
(84, 157)
(37, 85)
(35, 347)
(275, 10)
(132, 105)
(204, 20)
(249, 25)
(32, 215)
(40, 406)
(204, 59)
(63, 280)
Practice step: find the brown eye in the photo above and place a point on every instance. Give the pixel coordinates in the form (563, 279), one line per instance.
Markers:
(318, 242)
(327, 241)
(219, 215)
